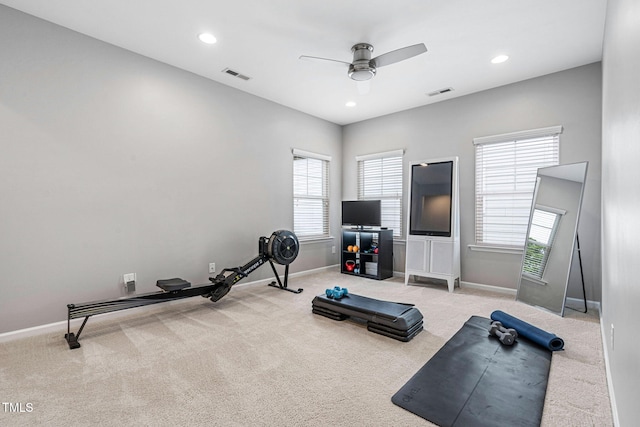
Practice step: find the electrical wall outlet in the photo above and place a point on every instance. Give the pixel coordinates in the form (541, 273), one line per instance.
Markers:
(212, 267)
(129, 282)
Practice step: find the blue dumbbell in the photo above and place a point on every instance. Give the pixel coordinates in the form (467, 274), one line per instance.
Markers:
(337, 292)
(343, 292)
(334, 292)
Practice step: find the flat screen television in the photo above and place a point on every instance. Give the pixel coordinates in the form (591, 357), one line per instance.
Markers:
(431, 191)
(361, 213)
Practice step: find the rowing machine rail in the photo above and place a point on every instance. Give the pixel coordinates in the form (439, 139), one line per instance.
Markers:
(282, 247)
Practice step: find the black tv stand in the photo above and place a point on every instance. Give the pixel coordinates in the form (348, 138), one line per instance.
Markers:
(366, 262)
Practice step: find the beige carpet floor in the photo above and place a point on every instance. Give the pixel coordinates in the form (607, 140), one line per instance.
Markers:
(259, 357)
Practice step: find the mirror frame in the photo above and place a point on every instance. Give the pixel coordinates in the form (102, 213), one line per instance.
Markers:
(556, 170)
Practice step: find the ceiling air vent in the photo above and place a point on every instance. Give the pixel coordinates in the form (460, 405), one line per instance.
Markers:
(236, 74)
(441, 91)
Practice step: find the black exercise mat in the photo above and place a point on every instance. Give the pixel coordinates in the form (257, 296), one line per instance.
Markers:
(474, 380)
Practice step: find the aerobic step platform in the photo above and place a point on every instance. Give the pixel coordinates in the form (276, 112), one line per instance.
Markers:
(392, 319)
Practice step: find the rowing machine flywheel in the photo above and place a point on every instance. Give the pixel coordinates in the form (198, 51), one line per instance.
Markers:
(283, 247)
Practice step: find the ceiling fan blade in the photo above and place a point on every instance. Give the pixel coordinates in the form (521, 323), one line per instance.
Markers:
(316, 58)
(399, 55)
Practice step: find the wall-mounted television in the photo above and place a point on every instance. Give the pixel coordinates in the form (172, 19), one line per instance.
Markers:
(431, 191)
(361, 213)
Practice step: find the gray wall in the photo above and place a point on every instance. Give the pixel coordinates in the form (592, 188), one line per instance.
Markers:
(621, 203)
(113, 163)
(569, 98)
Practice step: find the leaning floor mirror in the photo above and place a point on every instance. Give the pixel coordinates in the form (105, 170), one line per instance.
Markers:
(551, 236)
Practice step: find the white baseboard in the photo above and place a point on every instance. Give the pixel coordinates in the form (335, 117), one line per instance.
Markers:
(607, 368)
(579, 302)
(75, 323)
(30, 332)
(490, 288)
(576, 302)
(61, 326)
(298, 274)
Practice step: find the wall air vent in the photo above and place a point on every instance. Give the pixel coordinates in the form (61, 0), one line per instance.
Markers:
(441, 91)
(235, 74)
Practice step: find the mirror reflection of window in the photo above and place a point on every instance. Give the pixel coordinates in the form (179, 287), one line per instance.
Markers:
(544, 224)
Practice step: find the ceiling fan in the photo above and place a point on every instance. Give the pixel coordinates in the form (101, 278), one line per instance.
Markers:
(364, 67)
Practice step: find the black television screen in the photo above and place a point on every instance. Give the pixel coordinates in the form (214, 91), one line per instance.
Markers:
(361, 213)
(431, 188)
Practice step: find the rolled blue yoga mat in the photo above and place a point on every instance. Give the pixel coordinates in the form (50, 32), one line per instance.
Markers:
(530, 332)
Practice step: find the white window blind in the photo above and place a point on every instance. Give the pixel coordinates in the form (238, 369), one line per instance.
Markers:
(506, 168)
(544, 224)
(380, 178)
(310, 195)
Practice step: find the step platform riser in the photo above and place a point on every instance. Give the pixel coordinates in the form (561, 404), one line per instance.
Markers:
(394, 320)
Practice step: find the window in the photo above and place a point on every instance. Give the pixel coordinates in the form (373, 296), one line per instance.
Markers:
(380, 178)
(310, 195)
(506, 168)
(544, 223)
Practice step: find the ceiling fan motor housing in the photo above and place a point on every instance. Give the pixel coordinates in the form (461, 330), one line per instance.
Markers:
(362, 67)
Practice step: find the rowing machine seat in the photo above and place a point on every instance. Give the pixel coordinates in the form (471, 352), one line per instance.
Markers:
(175, 284)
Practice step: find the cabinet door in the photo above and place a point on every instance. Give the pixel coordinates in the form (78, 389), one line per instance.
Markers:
(442, 257)
(417, 255)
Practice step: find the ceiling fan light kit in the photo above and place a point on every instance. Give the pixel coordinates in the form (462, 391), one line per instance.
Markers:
(361, 73)
(363, 67)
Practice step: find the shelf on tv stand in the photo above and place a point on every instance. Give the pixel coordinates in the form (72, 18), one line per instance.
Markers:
(365, 239)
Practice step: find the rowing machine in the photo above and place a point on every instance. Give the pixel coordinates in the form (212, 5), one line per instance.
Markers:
(282, 247)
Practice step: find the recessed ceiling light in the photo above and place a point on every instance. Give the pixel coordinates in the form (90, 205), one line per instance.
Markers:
(207, 38)
(499, 59)
(350, 104)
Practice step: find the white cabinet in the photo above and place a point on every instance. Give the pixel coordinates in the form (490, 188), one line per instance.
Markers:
(432, 257)
(433, 237)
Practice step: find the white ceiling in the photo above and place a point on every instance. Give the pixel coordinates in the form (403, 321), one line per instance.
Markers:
(264, 39)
